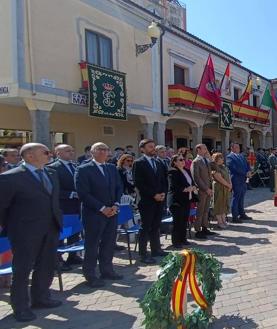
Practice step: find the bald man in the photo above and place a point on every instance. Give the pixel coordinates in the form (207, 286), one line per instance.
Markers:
(29, 210)
(69, 201)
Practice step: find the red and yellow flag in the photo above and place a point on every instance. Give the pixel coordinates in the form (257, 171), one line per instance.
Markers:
(247, 92)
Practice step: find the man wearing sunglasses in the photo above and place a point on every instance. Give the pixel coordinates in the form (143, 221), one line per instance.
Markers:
(29, 210)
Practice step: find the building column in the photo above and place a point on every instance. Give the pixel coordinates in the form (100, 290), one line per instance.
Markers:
(263, 140)
(197, 135)
(40, 118)
(159, 133)
(147, 129)
(225, 141)
(245, 139)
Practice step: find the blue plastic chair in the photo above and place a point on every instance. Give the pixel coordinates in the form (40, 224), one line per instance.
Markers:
(71, 225)
(5, 268)
(125, 214)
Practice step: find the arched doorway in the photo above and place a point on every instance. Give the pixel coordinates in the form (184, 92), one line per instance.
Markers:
(178, 133)
(256, 139)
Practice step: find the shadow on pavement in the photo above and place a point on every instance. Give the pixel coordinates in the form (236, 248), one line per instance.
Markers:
(234, 322)
(74, 318)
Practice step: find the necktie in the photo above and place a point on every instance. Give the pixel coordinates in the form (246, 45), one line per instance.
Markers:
(104, 170)
(154, 164)
(71, 167)
(206, 162)
(44, 181)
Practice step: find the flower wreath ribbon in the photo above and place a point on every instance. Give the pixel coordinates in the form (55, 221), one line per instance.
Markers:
(179, 287)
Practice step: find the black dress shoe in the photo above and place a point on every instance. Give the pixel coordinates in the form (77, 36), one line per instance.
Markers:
(244, 216)
(207, 231)
(200, 235)
(95, 282)
(24, 316)
(119, 248)
(159, 253)
(111, 276)
(186, 243)
(74, 260)
(147, 260)
(177, 246)
(47, 303)
(236, 220)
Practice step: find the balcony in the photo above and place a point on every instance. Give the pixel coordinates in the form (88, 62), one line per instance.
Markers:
(179, 95)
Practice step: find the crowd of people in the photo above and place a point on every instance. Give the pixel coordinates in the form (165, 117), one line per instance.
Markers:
(38, 186)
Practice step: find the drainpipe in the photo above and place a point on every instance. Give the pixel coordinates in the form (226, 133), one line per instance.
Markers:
(30, 46)
(161, 71)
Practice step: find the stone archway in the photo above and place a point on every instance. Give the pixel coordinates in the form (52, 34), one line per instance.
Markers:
(256, 139)
(241, 136)
(180, 133)
(268, 140)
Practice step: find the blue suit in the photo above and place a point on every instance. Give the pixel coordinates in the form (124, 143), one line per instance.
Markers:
(238, 167)
(95, 191)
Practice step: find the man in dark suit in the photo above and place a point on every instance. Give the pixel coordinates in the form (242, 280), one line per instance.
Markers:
(69, 201)
(12, 157)
(99, 188)
(150, 181)
(239, 170)
(29, 210)
(85, 156)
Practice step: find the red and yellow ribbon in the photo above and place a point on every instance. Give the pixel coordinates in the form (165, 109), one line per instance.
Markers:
(179, 288)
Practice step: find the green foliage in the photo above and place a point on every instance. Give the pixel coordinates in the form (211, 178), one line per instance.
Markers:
(156, 304)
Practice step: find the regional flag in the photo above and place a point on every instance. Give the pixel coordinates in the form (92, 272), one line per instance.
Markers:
(207, 87)
(247, 92)
(267, 100)
(225, 86)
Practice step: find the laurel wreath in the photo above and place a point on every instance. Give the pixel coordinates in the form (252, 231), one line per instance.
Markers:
(156, 304)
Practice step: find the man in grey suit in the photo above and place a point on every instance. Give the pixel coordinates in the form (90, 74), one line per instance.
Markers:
(99, 187)
(272, 160)
(29, 211)
(201, 173)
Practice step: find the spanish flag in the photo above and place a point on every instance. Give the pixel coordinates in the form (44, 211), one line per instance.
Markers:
(247, 92)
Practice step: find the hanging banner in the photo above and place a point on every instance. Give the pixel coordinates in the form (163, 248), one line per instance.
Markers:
(107, 93)
(226, 116)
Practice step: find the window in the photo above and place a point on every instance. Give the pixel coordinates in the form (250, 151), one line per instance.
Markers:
(255, 100)
(236, 93)
(98, 49)
(179, 75)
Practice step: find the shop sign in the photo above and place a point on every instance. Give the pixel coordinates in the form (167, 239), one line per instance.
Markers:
(79, 99)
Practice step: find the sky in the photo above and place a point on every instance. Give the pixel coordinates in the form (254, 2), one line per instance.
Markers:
(245, 29)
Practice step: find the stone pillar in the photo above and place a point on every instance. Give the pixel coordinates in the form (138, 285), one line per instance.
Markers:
(159, 133)
(245, 139)
(225, 141)
(148, 130)
(40, 115)
(263, 140)
(197, 135)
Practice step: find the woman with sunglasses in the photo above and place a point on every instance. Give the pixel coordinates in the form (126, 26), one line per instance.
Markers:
(124, 167)
(180, 195)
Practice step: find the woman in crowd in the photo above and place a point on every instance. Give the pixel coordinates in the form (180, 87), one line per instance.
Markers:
(185, 152)
(124, 167)
(180, 195)
(221, 189)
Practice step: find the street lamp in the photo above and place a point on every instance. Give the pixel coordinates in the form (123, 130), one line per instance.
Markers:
(153, 32)
(258, 84)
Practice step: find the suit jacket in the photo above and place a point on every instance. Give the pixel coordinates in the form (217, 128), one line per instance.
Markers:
(201, 174)
(95, 190)
(238, 167)
(67, 186)
(25, 205)
(177, 182)
(147, 181)
(165, 167)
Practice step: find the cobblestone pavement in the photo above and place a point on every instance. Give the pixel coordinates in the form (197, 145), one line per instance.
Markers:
(247, 300)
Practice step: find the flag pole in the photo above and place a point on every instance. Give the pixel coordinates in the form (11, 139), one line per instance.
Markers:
(241, 102)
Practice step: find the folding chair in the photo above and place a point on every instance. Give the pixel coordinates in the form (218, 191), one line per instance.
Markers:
(71, 225)
(125, 214)
(192, 217)
(5, 257)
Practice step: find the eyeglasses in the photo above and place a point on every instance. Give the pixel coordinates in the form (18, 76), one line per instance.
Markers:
(129, 160)
(181, 159)
(102, 149)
